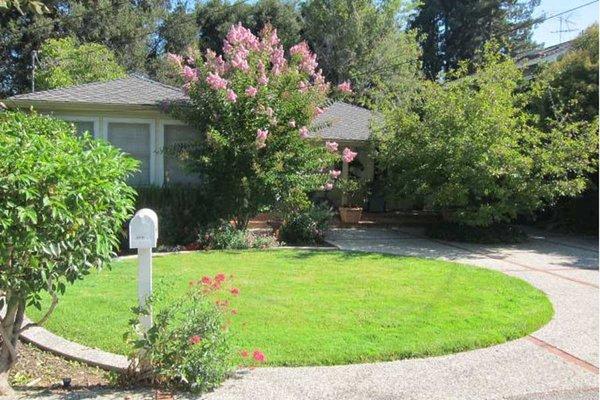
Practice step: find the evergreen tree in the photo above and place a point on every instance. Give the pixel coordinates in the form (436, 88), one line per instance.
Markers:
(454, 30)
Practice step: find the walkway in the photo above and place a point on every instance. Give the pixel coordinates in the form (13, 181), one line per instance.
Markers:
(560, 361)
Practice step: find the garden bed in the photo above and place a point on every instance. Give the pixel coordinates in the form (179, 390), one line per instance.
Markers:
(322, 308)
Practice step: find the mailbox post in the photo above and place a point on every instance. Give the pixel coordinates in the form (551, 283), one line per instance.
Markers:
(143, 235)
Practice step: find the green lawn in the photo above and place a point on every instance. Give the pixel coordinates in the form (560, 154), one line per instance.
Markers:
(321, 308)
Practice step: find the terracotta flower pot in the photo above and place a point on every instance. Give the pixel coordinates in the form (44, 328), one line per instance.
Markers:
(350, 215)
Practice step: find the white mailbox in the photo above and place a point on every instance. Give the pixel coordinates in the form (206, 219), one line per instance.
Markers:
(143, 235)
(143, 230)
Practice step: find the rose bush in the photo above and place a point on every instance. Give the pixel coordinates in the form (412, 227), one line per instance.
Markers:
(253, 109)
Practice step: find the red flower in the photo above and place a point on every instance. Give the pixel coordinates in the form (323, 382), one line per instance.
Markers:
(220, 277)
(235, 291)
(206, 280)
(259, 356)
(234, 311)
(222, 303)
(244, 353)
(195, 339)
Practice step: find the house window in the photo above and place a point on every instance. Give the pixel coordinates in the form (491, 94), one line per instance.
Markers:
(134, 139)
(177, 136)
(84, 126)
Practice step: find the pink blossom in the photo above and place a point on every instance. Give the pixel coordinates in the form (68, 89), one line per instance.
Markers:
(335, 173)
(235, 291)
(319, 81)
(220, 277)
(216, 82)
(318, 111)
(345, 87)
(278, 60)
(331, 146)
(175, 59)
(261, 137)
(195, 339)
(292, 123)
(303, 87)
(239, 61)
(215, 63)
(304, 132)
(189, 74)
(269, 38)
(251, 91)
(308, 60)
(348, 155)
(258, 356)
(238, 36)
(231, 96)
(328, 186)
(263, 80)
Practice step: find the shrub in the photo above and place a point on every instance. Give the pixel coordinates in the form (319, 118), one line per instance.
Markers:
(225, 236)
(253, 109)
(182, 212)
(189, 345)
(468, 149)
(307, 227)
(63, 201)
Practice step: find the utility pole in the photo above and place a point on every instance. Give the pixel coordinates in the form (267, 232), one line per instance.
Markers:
(34, 59)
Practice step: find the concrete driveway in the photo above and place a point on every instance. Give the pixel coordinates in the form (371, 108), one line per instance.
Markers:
(560, 361)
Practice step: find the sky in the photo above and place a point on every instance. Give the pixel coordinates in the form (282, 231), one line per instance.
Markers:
(580, 19)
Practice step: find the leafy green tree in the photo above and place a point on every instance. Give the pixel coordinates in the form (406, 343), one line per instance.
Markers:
(63, 200)
(363, 41)
(456, 30)
(64, 62)
(566, 91)
(468, 149)
(568, 88)
(178, 31)
(125, 27)
(253, 109)
(215, 17)
(33, 5)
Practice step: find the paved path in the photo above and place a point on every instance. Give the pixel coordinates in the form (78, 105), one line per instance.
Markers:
(560, 361)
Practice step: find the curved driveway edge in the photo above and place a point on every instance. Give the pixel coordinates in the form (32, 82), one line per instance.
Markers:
(48, 341)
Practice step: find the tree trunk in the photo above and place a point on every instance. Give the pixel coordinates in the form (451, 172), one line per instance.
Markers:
(10, 326)
(5, 366)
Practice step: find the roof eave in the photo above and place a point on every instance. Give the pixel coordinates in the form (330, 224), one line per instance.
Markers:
(77, 106)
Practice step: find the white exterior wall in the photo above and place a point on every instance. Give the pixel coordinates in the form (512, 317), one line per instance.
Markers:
(155, 121)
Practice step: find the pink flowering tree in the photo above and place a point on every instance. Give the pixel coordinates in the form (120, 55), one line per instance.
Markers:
(253, 107)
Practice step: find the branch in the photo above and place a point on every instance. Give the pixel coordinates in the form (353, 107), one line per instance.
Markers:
(42, 320)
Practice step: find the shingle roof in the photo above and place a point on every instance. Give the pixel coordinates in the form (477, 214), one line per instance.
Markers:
(132, 90)
(343, 121)
(340, 121)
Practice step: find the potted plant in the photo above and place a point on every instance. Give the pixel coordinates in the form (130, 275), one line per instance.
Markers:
(354, 194)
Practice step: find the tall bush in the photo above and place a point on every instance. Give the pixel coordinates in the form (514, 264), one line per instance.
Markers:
(63, 200)
(253, 109)
(468, 149)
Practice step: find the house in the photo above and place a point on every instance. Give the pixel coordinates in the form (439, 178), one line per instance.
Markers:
(127, 112)
(531, 60)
